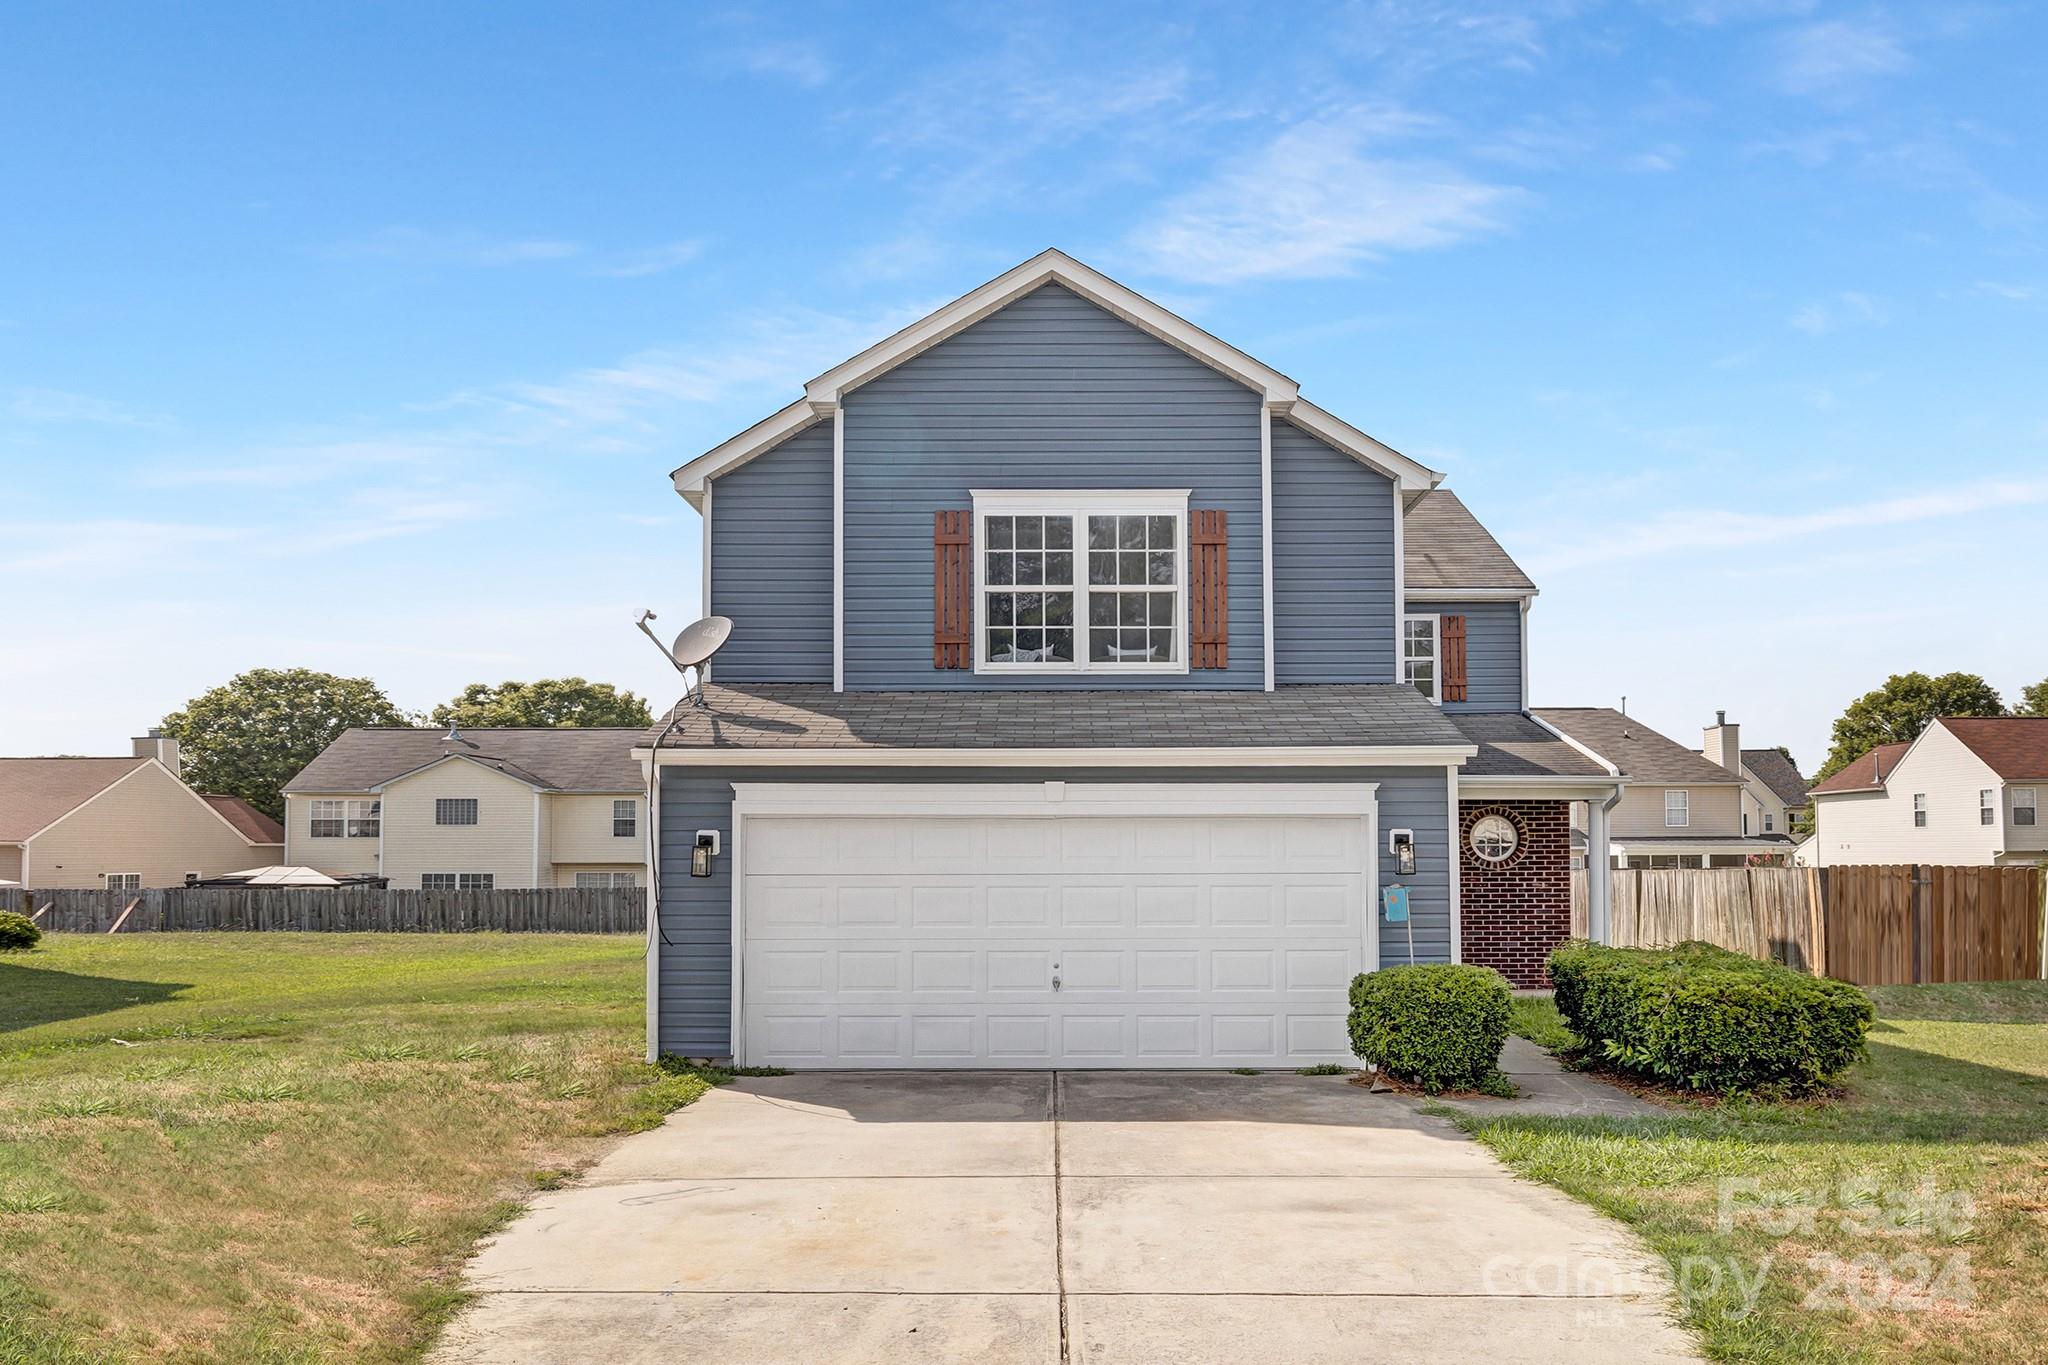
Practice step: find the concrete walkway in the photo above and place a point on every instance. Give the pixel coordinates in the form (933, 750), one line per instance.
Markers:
(1544, 1087)
(1078, 1217)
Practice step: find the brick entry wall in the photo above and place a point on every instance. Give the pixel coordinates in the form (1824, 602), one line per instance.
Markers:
(1513, 913)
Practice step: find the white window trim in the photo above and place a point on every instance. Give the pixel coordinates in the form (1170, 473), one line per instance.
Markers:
(354, 810)
(1080, 504)
(454, 805)
(1436, 651)
(1920, 820)
(458, 880)
(110, 876)
(605, 881)
(2030, 805)
(1987, 805)
(632, 815)
(1683, 808)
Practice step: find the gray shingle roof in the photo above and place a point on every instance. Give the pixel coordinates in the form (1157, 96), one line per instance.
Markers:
(1641, 753)
(1512, 745)
(1777, 772)
(809, 716)
(561, 759)
(1444, 546)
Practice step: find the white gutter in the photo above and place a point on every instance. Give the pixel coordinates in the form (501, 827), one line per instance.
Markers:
(1288, 756)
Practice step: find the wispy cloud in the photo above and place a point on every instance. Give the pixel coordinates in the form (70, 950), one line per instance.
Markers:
(1723, 529)
(1846, 309)
(651, 260)
(804, 63)
(415, 246)
(1318, 201)
(55, 407)
(1834, 57)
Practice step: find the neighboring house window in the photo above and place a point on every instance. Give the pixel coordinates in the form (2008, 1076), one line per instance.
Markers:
(455, 810)
(1677, 807)
(1987, 806)
(351, 819)
(625, 819)
(1419, 656)
(1092, 588)
(597, 881)
(1767, 822)
(1920, 810)
(2023, 805)
(1745, 824)
(458, 881)
(124, 881)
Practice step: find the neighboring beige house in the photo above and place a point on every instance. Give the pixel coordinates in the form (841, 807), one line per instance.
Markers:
(1680, 807)
(1773, 792)
(474, 809)
(123, 823)
(1967, 792)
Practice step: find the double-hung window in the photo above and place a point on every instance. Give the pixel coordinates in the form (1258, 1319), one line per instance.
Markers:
(344, 819)
(1987, 805)
(458, 881)
(1677, 806)
(598, 881)
(1920, 810)
(124, 881)
(2023, 805)
(625, 819)
(1081, 582)
(1420, 665)
(455, 810)
(1768, 822)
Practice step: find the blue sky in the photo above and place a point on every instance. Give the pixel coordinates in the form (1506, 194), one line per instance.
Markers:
(363, 337)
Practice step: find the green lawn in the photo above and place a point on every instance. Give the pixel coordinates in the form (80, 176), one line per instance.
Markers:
(280, 1147)
(1906, 1220)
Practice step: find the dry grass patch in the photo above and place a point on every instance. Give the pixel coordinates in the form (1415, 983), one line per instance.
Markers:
(281, 1147)
(1900, 1221)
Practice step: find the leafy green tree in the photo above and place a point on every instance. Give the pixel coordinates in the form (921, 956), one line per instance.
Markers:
(550, 702)
(2034, 700)
(248, 736)
(1901, 709)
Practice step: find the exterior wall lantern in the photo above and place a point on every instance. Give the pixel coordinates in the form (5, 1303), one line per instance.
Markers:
(702, 852)
(1401, 843)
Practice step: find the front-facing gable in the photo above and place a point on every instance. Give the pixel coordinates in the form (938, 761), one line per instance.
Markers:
(825, 524)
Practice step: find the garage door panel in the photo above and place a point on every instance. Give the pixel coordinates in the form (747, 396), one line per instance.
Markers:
(934, 940)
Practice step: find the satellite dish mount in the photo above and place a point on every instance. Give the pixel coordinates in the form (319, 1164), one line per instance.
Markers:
(694, 645)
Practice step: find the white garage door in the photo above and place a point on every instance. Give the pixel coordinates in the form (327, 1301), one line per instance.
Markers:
(1051, 925)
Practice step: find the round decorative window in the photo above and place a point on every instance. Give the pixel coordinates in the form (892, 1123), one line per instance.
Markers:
(1494, 838)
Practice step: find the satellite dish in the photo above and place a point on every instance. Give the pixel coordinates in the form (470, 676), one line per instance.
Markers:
(698, 641)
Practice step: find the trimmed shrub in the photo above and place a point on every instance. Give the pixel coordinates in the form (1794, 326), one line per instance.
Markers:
(1703, 1018)
(18, 933)
(1438, 1025)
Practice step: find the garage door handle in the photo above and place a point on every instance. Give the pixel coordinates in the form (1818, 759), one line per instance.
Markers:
(1055, 981)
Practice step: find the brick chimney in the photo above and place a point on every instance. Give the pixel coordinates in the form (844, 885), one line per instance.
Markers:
(159, 746)
(1724, 743)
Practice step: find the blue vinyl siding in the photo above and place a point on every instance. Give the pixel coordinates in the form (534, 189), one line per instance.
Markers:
(1493, 653)
(1333, 564)
(771, 562)
(1047, 392)
(696, 913)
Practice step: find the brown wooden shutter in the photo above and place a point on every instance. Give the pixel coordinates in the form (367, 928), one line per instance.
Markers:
(1208, 589)
(953, 590)
(1454, 658)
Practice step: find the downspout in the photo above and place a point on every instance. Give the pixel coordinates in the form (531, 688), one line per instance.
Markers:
(1600, 871)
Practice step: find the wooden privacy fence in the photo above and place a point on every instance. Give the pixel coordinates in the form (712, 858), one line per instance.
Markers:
(557, 910)
(1874, 926)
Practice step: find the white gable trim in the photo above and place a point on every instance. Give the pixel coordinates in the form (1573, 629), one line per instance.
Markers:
(451, 758)
(823, 394)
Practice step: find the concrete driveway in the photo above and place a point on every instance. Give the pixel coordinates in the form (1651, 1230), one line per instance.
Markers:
(1047, 1218)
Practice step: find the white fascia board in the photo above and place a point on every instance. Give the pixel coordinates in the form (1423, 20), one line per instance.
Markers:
(1024, 800)
(455, 758)
(1052, 266)
(1530, 788)
(1408, 475)
(1470, 594)
(690, 480)
(1293, 756)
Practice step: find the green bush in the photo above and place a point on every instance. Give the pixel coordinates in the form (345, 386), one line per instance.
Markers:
(1438, 1025)
(1703, 1018)
(18, 933)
